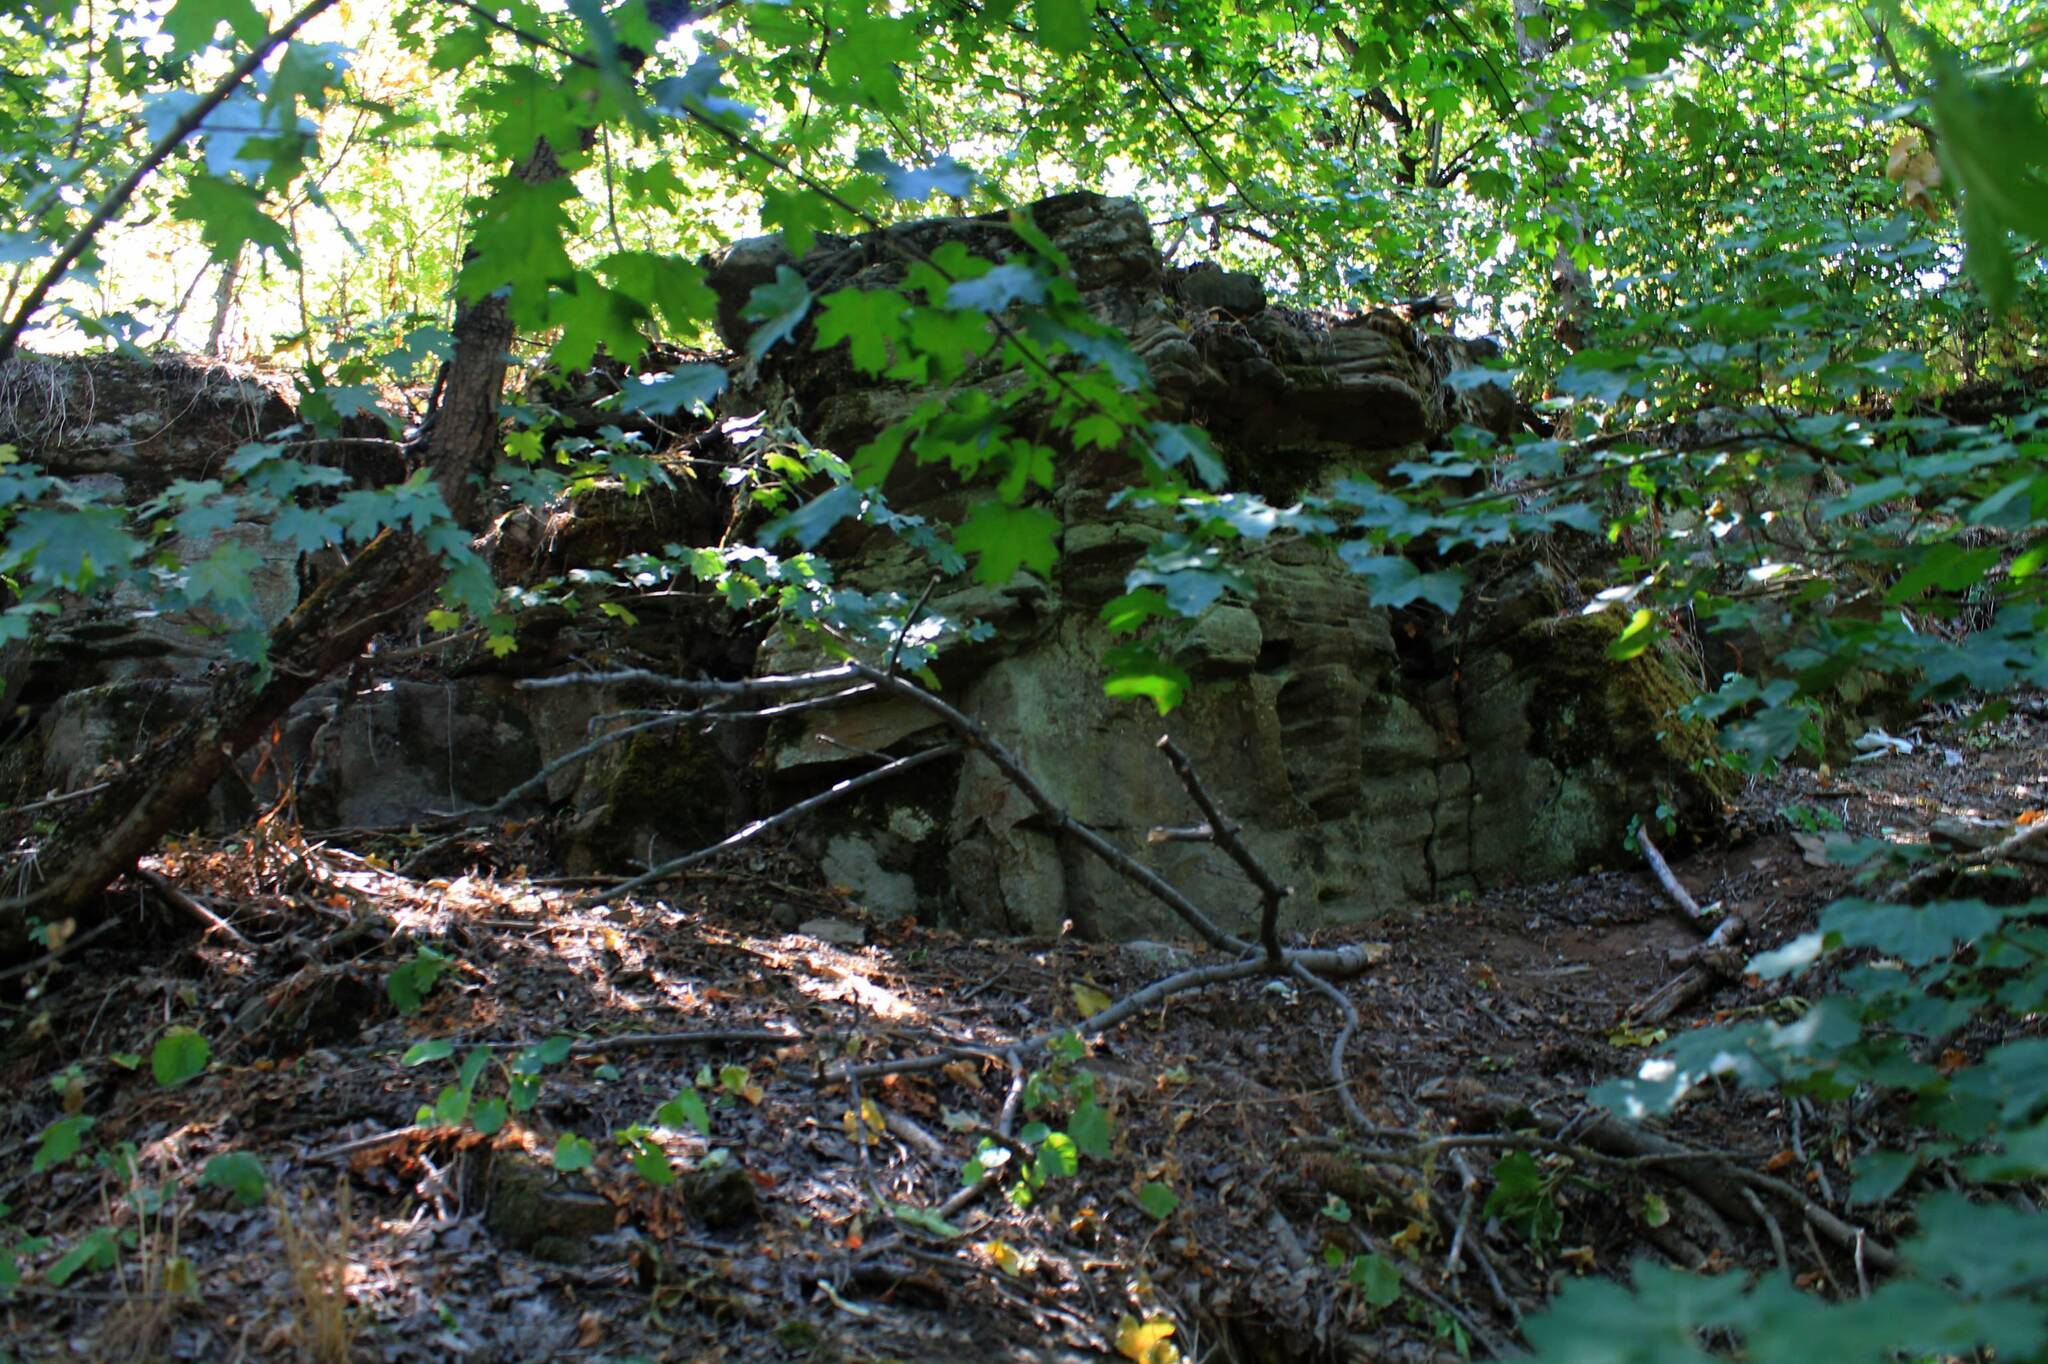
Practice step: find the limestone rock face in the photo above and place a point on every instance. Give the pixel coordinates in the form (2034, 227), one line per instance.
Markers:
(1374, 758)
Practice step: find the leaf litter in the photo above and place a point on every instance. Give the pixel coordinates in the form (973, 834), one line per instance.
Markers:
(734, 1202)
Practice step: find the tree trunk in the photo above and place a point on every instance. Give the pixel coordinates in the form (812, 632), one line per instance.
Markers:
(169, 780)
(1571, 287)
(223, 304)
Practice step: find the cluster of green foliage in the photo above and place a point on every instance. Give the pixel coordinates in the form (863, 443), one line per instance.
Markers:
(1796, 222)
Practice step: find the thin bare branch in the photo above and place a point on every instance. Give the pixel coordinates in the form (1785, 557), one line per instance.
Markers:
(1224, 832)
(976, 736)
(761, 826)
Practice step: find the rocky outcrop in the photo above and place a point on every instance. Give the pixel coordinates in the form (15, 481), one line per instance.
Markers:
(1375, 758)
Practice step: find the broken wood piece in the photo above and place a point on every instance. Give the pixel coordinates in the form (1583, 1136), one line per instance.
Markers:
(1713, 963)
(180, 900)
(1969, 835)
(1225, 835)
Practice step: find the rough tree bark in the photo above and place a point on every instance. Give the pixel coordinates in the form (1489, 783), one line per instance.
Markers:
(103, 837)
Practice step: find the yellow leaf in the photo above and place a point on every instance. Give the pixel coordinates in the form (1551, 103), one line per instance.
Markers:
(1146, 1341)
(1089, 1000)
(1005, 1257)
(864, 1128)
(1409, 1239)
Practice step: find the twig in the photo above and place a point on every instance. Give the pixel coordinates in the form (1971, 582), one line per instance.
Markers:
(760, 826)
(1708, 965)
(703, 686)
(908, 1128)
(661, 720)
(174, 136)
(1006, 1121)
(1772, 1229)
(653, 1041)
(1829, 1225)
(1676, 893)
(214, 923)
(1338, 1076)
(1180, 833)
(371, 1142)
(64, 799)
(1225, 835)
(910, 619)
(977, 737)
(1335, 963)
(1501, 1297)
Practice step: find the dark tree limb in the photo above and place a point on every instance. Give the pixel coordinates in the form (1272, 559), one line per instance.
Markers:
(976, 736)
(2012, 846)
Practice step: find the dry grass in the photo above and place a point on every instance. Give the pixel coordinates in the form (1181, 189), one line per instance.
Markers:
(317, 1257)
(136, 1328)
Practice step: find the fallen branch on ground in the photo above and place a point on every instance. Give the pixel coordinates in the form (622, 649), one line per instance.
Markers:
(2005, 850)
(1704, 968)
(749, 832)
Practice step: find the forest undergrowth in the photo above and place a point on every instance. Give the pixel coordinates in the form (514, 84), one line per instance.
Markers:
(299, 1101)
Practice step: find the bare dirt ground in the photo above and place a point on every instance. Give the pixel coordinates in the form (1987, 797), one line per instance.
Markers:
(747, 983)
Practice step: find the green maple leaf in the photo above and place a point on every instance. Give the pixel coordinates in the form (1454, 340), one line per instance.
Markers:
(518, 242)
(1137, 671)
(949, 340)
(1063, 24)
(592, 316)
(191, 24)
(305, 529)
(870, 321)
(69, 546)
(230, 216)
(684, 388)
(1396, 582)
(798, 214)
(531, 105)
(914, 185)
(1175, 443)
(1013, 282)
(862, 61)
(675, 288)
(225, 576)
(1008, 538)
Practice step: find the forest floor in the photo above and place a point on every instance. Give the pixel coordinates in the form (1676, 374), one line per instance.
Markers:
(747, 981)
